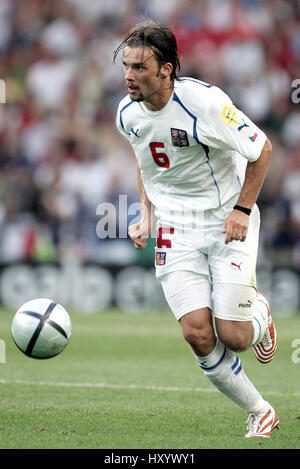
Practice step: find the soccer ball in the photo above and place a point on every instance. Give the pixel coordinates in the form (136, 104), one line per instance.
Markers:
(41, 328)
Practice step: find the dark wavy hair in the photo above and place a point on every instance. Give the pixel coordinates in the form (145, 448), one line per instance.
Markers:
(160, 38)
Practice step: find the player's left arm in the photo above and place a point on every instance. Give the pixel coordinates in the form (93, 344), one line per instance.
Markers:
(237, 222)
(140, 231)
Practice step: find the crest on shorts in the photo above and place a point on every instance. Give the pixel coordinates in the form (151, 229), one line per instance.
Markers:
(160, 258)
(179, 138)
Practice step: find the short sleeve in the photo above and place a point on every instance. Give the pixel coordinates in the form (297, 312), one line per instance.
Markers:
(119, 121)
(231, 129)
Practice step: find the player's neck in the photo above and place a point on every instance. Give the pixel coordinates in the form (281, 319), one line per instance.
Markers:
(159, 100)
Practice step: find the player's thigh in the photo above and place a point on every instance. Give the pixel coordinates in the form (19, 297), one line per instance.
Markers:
(233, 302)
(186, 291)
(176, 250)
(235, 262)
(189, 297)
(233, 309)
(233, 273)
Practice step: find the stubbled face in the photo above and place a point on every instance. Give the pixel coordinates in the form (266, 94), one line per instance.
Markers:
(144, 77)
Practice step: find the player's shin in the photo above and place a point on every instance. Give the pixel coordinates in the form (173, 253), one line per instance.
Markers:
(224, 369)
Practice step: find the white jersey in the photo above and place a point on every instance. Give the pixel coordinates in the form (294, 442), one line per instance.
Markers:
(192, 154)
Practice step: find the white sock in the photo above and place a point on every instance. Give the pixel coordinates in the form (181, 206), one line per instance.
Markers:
(224, 369)
(259, 319)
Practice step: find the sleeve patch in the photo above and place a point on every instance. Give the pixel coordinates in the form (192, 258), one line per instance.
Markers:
(229, 115)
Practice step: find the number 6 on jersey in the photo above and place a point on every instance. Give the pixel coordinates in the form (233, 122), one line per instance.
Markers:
(161, 159)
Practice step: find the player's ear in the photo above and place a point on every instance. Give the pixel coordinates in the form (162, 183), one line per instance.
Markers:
(166, 70)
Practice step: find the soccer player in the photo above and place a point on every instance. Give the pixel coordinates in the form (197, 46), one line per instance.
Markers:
(201, 165)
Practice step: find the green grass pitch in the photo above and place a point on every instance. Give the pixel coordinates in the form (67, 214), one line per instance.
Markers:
(129, 381)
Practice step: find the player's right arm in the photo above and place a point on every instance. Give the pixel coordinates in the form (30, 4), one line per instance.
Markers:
(140, 231)
(237, 221)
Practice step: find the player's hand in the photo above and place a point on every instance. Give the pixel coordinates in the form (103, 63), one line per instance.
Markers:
(139, 233)
(236, 226)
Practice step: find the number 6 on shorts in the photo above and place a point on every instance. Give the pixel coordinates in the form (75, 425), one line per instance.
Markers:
(164, 242)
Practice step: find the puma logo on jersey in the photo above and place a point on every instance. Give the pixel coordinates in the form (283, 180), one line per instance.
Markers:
(242, 126)
(135, 132)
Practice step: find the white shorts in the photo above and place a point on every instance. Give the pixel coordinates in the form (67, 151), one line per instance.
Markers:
(187, 291)
(204, 251)
(208, 271)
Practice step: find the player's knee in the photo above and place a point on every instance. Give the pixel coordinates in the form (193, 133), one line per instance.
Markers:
(235, 335)
(199, 339)
(192, 336)
(236, 342)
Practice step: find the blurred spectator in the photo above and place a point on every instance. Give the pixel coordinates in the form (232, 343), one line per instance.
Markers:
(60, 154)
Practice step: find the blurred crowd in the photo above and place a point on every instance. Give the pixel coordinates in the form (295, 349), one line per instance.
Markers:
(60, 154)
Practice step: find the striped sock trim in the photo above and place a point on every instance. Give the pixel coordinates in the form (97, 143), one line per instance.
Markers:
(216, 364)
(237, 366)
(214, 359)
